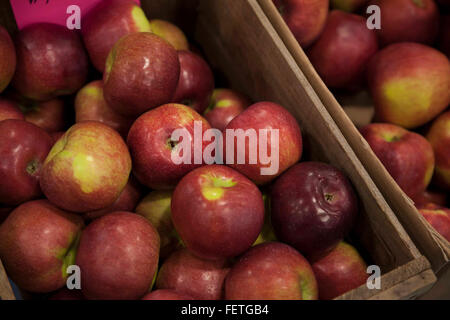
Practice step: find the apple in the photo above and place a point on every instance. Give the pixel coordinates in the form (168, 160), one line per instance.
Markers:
(439, 218)
(305, 18)
(118, 257)
(49, 115)
(169, 32)
(4, 212)
(90, 105)
(106, 23)
(225, 105)
(313, 207)
(37, 243)
(67, 294)
(141, 73)
(267, 234)
(444, 35)
(430, 197)
(343, 50)
(23, 147)
(407, 21)
(7, 59)
(9, 109)
(409, 83)
(156, 208)
(56, 135)
(439, 138)
(271, 271)
(166, 294)
(51, 62)
(192, 276)
(217, 212)
(348, 5)
(406, 155)
(87, 168)
(282, 153)
(127, 201)
(151, 145)
(196, 83)
(339, 271)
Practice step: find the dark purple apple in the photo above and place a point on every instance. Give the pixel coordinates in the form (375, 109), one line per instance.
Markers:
(313, 207)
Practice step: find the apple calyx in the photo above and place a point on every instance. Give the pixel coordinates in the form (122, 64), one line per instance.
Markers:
(33, 166)
(215, 187)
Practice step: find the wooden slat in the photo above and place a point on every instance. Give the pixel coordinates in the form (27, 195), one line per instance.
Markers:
(434, 246)
(6, 292)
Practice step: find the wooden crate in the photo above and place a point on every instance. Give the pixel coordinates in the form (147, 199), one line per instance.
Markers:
(359, 109)
(242, 44)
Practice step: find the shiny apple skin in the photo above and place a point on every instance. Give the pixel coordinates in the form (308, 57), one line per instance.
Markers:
(142, 72)
(166, 294)
(51, 62)
(148, 142)
(225, 105)
(260, 116)
(217, 212)
(407, 21)
(118, 257)
(271, 271)
(91, 105)
(406, 155)
(7, 58)
(339, 271)
(37, 242)
(10, 110)
(192, 276)
(49, 115)
(24, 148)
(106, 23)
(313, 207)
(87, 168)
(305, 18)
(196, 83)
(439, 218)
(343, 50)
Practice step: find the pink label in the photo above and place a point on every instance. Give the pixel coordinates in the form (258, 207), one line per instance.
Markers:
(28, 12)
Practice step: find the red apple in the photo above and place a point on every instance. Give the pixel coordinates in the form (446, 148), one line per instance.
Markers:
(271, 271)
(339, 271)
(407, 156)
(23, 147)
(439, 138)
(282, 152)
(37, 243)
(313, 207)
(118, 257)
(305, 18)
(343, 50)
(169, 32)
(152, 148)
(196, 83)
(166, 294)
(430, 197)
(444, 35)
(9, 109)
(192, 276)
(225, 105)
(348, 5)
(141, 73)
(51, 62)
(7, 59)
(87, 168)
(90, 105)
(409, 83)
(106, 23)
(127, 201)
(56, 135)
(156, 208)
(407, 21)
(267, 234)
(217, 212)
(49, 115)
(439, 218)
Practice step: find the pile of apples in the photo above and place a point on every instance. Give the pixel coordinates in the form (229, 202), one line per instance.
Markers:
(87, 177)
(405, 67)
